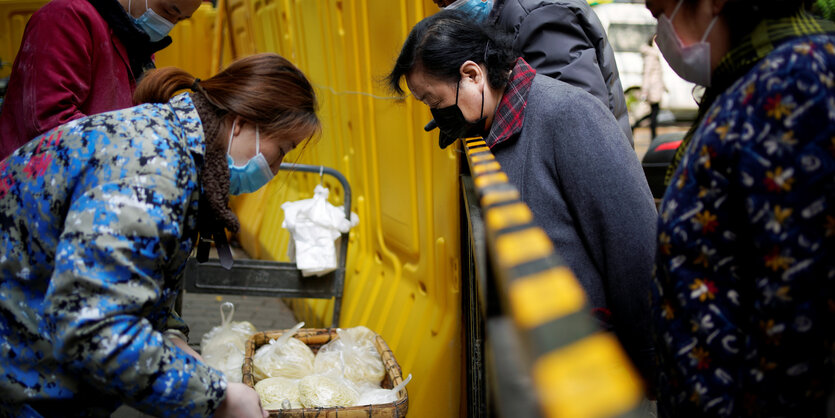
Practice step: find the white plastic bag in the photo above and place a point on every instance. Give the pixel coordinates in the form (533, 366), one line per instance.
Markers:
(224, 346)
(285, 357)
(314, 225)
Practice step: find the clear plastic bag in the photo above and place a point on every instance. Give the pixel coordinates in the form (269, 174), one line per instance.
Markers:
(224, 346)
(376, 395)
(326, 391)
(285, 357)
(278, 393)
(352, 354)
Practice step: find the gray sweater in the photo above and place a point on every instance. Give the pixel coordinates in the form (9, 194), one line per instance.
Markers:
(576, 170)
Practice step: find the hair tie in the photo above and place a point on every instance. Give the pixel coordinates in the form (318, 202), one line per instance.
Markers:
(195, 86)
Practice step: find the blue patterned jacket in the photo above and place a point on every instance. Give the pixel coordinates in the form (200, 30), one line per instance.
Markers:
(97, 219)
(744, 302)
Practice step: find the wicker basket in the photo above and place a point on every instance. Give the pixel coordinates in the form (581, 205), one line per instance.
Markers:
(316, 338)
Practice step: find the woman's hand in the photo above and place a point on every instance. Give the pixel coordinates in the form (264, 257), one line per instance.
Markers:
(241, 401)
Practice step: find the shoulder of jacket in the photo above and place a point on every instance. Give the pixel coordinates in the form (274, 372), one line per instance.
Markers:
(575, 6)
(79, 6)
(60, 12)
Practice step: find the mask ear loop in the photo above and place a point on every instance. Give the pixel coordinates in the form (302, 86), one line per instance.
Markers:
(146, 5)
(321, 175)
(672, 16)
(709, 27)
(481, 113)
(257, 141)
(232, 135)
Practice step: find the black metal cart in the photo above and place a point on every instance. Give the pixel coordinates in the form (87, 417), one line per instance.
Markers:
(275, 278)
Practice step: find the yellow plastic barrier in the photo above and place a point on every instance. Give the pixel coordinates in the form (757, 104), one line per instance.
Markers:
(402, 276)
(13, 17)
(192, 46)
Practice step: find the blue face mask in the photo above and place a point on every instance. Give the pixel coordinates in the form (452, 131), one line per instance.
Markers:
(156, 26)
(478, 9)
(251, 176)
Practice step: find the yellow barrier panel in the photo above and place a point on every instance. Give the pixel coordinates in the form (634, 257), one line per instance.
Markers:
(13, 17)
(402, 268)
(192, 44)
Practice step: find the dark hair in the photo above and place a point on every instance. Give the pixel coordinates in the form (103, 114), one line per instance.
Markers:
(265, 89)
(440, 43)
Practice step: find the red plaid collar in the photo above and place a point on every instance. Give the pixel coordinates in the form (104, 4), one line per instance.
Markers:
(511, 110)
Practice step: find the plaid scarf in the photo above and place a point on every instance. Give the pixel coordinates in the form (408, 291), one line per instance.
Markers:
(738, 61)
(511, 110)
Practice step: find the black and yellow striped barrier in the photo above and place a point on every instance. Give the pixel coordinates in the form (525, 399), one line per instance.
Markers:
(577, 369)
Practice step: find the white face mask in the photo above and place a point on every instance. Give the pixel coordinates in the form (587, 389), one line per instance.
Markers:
(691, 62)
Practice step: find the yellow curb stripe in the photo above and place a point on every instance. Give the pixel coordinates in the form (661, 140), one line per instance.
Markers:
(482, 168)
(488, 179)
(521, 246)
(545, 296)
(590, 378)
(514, 214)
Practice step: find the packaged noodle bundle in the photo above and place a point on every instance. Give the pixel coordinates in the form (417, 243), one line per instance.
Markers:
(224, 346)
(326, 391)
(285, 357)
(376, 395)
(354, 355)
(278, 393)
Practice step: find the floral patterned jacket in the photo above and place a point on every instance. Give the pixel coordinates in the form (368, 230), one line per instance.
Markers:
(97, 219)
(745, 269)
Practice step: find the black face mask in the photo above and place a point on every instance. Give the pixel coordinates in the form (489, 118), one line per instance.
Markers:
(452, 124)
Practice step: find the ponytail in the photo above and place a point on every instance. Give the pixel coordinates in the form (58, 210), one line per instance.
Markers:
(159, 86)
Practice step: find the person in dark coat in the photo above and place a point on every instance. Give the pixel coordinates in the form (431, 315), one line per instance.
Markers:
(82, 57)
(562, 39)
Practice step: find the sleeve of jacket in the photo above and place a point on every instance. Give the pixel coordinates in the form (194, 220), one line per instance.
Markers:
(110, 272)
(786, 219)
(552, 40)
(614, 214)
(57, 48)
